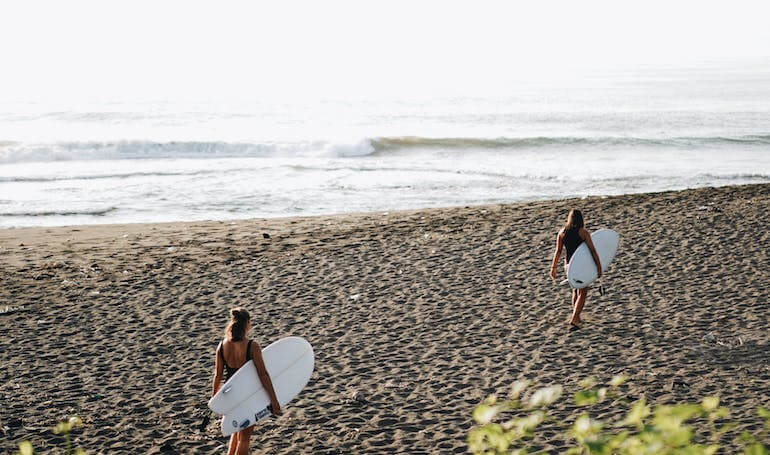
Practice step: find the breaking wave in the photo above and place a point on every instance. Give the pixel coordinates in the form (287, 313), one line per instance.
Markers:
(15, 152)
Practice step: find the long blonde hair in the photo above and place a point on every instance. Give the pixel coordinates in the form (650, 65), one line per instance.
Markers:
(574, 220)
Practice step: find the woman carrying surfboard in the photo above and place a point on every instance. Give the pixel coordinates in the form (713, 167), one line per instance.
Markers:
(570, 237)
(232, 353)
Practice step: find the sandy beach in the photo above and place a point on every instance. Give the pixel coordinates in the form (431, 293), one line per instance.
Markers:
(414, 317)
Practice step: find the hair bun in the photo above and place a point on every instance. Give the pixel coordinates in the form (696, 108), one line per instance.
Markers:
(239, 314)
(237, 327)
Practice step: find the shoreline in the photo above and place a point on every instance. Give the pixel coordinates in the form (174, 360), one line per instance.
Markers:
(372, 212)
(421, 312)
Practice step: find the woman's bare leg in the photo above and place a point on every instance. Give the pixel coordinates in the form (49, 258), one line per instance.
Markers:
(574, 301)
(233, 444)
(579, 303)
(244, 437)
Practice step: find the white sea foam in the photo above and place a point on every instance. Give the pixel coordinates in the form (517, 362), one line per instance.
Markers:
(16, 152)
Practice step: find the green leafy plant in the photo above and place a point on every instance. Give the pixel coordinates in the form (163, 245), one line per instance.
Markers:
(63, 428)
(509, 427)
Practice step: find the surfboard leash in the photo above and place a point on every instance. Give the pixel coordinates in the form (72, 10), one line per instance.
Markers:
(602, 291)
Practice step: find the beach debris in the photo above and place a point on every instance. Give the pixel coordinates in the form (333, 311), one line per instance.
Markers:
(171, 249)
(358, 396)
(355, 297)
(10, 309)
(709, 338)
(393, 384)
(265, 235)
(7, 428)
(205, 416)
(676, 383)
(68, 282)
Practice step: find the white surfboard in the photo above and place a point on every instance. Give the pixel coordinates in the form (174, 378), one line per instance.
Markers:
(243, 401)
(581, 270)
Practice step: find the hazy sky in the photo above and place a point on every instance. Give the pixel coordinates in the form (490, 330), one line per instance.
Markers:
(109, 50)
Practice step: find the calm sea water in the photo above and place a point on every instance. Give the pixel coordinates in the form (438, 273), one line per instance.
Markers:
(601, 134)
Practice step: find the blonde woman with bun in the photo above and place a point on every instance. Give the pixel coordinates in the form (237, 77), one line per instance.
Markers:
(232, 353)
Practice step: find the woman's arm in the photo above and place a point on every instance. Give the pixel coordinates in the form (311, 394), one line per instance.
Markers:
(587, 238)
(264, 377)
(218, 370)
(556, 254)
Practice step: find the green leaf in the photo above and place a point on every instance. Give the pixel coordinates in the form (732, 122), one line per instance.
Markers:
(582, 425)
(637, 414)
(62, 428)
(596, 446)
(678, 437)
(526, 425)
(586, 397)
(746, 437)
(756, 449)
(25, 448)
(710, 403)
(518, 387)
(618, 380)
(720, 413)
(601, 394)
(671, 417)
(75, 422)
(711, 450)
(545, 396)
(685, 411)
(483, 413)
(488, 438)
(585, 428)
(764, 413)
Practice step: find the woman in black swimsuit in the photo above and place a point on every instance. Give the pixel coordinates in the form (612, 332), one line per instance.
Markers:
(570, 237)
(232, 353)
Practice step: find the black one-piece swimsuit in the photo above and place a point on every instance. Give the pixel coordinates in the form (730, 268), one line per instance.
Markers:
(572, 241)
(228, 370)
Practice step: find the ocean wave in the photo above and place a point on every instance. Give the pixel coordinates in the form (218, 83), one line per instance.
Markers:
(14, 152)
(88, 212)
(127, 175)
(736, 177)
(411, 142)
